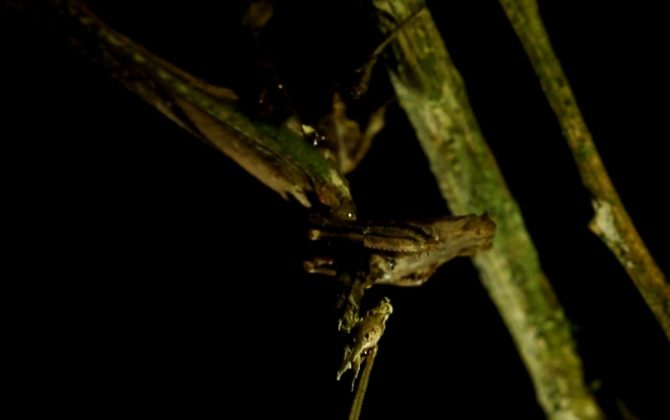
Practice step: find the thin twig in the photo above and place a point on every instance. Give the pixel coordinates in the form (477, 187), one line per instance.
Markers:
(432, 93)
(357, 403)
(365, 71)
(611, 222)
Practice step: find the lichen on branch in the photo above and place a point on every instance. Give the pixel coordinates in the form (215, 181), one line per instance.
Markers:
(432, 93)
(611, 222)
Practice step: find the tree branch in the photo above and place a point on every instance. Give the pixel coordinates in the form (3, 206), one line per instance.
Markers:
(611, 222)
(432, 93)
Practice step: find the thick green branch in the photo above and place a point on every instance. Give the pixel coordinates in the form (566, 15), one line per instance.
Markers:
(432, 93)
(611, 221)
(278, 156)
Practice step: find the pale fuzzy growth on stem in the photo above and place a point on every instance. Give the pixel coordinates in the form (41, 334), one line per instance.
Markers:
(611, 222)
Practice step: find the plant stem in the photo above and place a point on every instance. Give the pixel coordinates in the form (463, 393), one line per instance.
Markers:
(432, 93)
(611, 222)
(357, 404)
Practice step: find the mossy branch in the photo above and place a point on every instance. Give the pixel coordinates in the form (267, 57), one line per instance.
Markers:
(432, 93)
(611, 222)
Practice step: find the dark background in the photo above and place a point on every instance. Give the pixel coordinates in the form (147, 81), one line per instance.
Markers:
(158, 278)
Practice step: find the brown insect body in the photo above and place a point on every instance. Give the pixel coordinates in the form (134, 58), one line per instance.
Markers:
(407, 253)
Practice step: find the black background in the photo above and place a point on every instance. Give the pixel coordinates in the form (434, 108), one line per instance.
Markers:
(158, 278)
